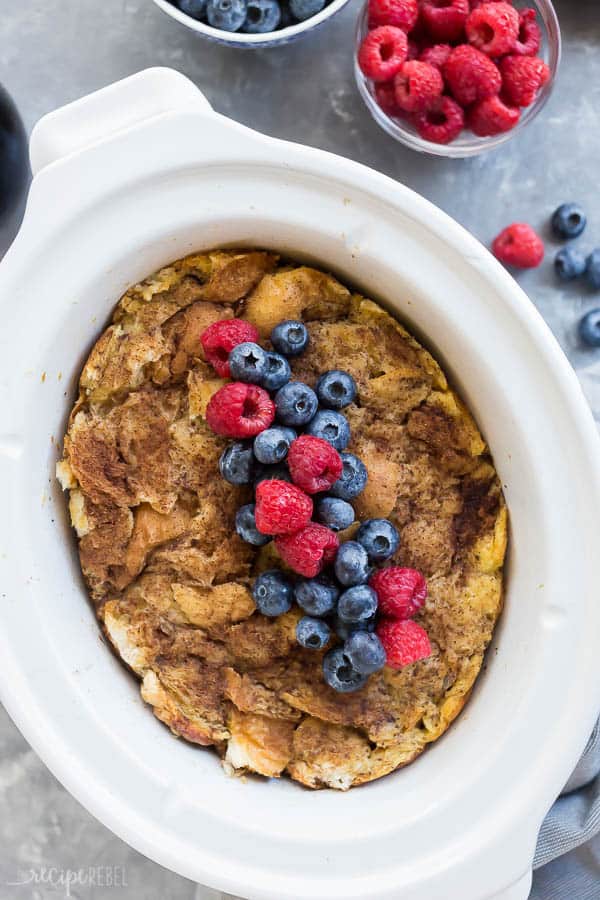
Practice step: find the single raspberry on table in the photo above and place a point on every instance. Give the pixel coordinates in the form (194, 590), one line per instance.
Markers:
(404, 642)
(436, 55)
(313, 463)
(401, 13)
(417, 86)
(522, 77)
(492, 116)
(443, 122)
(519, 245)
(382, 52)
(281, 507)
(471, 75)
(530, 34)
(444, 20)
(309, 550)
(240, 410)
(493, 28)
(386, 98)
(401, 592)
(219, 339)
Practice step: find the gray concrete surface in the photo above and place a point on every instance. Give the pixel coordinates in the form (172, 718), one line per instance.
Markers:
(52, 51)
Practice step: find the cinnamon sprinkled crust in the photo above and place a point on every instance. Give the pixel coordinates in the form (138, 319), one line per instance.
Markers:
(169, 577)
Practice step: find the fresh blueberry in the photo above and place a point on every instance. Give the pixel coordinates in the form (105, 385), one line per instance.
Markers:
(312, 633)
(357, 604)
(227, 15)
(236, 464)
(331, 426)
(272, 593)
(379, 538)
(353, 479)
(295, 403)
(589, 328)
(248, 362)
(336, 389)
(290, 337)
(592, 269)
(279, 472)
(263, 16)
(304, 9)
(316, 596)
(271, 445)
(365, 652)
(569, 264)
(568, 221)
(345, 629)
(352, 564)
(278, 372)
(339, 674)
(335, 513)
(194, 8)
(245, 525)
(287, 18)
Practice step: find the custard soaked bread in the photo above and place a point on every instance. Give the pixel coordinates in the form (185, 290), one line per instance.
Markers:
(170, 578)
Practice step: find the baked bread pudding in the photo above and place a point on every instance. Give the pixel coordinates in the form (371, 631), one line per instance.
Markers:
(195, 596)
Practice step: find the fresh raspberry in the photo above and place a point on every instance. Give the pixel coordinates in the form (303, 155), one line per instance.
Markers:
(522, 77)
(445, 20)
(493, 28)
(240, 410)
(382, 52)
(313, 463)
(492, 116)
(475, 4)
(436, 55)
(386, 98)
(219, 339)
(401, 13)
(307, 551)
(413, 50)
(418, 85)
(519, 245)
(400, 592)
(530, 34)
(442, 122)
(471, 75)
(281, 508)
(404, 642)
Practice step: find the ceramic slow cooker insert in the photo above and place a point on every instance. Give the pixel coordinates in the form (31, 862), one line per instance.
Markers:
(140, 174)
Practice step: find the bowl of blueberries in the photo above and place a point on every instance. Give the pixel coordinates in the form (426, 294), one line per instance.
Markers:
(251, 23)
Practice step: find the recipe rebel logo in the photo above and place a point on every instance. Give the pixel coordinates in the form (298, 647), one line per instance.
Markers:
(66, 881)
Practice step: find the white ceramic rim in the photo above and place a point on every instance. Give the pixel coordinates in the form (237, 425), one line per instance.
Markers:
(501, 840)
(237, 38)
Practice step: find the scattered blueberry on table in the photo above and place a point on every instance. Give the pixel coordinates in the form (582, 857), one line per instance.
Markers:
(303, 482)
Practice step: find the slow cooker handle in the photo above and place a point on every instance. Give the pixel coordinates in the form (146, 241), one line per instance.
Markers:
(113, 109)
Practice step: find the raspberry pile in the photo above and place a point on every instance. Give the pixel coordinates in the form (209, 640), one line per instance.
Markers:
(446, 65)
(290, 443)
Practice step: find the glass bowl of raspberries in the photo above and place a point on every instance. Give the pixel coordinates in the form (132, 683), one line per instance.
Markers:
(456, 77)
(251, 23)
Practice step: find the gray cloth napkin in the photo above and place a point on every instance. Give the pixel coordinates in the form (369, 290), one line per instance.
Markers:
(567, 857)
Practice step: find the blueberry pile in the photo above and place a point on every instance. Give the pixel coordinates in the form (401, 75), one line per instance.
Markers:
(250, 16)
(568, 222)
(338, 602)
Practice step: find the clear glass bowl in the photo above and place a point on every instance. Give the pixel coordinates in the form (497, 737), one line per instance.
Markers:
(467, 143)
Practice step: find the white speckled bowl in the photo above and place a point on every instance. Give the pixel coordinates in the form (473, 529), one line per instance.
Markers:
(252, 41)
(125, 181)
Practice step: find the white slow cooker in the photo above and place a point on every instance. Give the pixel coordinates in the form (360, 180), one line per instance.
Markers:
(127, 180)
